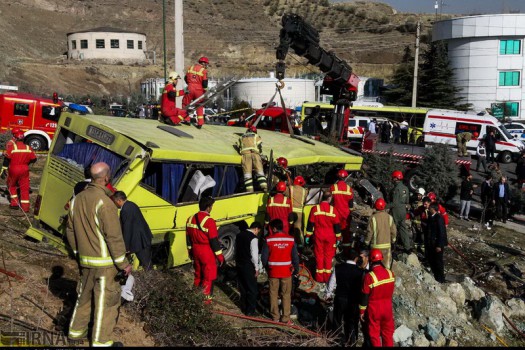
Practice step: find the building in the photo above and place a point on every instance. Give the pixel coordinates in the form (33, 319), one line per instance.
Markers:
(107, 43)
(486, 53)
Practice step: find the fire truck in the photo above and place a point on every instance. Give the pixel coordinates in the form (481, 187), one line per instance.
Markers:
(36, 116)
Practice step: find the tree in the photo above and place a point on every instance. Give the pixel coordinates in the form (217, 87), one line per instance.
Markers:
(401, 94)
(378, 169)
(438, 171)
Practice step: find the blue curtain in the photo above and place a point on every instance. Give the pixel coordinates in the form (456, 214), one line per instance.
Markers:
(230, 182)
(171, 179)
(86, 154)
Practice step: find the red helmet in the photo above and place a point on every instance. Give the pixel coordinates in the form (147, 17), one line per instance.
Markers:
(475, 134)
(252, 128)
(299, 180)
(281, 186)
(432, 196)
(380, 204)
(204, 59)
(376, 255)
(397, 175)
(342, 174)
(18, 133)
(282, 162)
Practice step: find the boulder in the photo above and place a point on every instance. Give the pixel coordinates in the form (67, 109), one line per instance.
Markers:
(452, 343)
(471, 291)
(402, 334)
(516, 307)
(492, 314)
(431, 332)
(457, 293)
(443, 301)
(441, 341)
(412, 260)
(419, 340)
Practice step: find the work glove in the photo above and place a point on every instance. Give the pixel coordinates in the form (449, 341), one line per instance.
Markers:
(307, 240)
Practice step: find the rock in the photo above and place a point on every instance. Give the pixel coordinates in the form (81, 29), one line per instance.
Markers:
(457, 293)
(407, 343)
(443, 301)
(491, 314)
(516, 307)
(471, 291)
(452, 343)
(431, 332)
(399, 282)
(441, 341)
(402, 333)
(419, 340)
(446, 329)
(492, 337)
(412, 260)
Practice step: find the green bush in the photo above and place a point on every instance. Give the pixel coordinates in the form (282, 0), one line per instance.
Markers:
(378, 169)
(438, 171)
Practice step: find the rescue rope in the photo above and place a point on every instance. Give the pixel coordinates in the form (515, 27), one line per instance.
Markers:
(308, 276)
(474, 267)
(513, 326)
(497, 337)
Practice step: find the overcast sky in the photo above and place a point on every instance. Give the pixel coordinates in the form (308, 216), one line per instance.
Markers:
(455, 6)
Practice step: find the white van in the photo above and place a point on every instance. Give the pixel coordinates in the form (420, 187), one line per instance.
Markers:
(357, 125)
(441, 126)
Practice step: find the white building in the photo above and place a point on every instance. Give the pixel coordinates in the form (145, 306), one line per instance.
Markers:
(107, 43)
(486, 53)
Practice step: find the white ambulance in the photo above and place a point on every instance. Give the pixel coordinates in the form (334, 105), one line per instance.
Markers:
(442, 126)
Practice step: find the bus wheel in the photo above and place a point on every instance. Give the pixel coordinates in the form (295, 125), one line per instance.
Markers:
(412, 180)
(37, 143)
(227, 236)
(420, 141)
(506, 157)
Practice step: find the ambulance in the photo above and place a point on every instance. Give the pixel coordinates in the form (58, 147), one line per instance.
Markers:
(442, 126)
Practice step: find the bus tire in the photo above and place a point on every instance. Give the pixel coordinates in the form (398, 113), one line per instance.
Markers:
(506, 157)
(227, 237)
(420, 141)
(36, 142)
(412, 180)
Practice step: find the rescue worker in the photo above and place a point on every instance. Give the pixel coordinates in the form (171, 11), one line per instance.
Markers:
(280, 207)
(323, 224)
(17, 158)
(461, 139)
(398, 207)
(93, 215)
(280, 171)
(376, 302)
(416, 219)
(442, 210)
(422, 214)
(250, 147)
(204, 249)
(197, 79)
(297, 194)
(170, 113)
(343, 201)
(381, 232)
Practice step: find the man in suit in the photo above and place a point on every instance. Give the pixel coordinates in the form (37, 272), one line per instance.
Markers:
(501, 198)
(487, 199)
(135, 229)
(437, 240)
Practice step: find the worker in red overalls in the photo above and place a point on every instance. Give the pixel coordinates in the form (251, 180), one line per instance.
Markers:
(442, 210)
(170, 113)
(376, 302)
(280, 207)
(323, 223)
(343, 200)
(204, 248)
(17, 158)
(197, 79)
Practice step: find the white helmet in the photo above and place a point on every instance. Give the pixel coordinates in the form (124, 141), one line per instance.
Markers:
(421, 191)
(173, 76)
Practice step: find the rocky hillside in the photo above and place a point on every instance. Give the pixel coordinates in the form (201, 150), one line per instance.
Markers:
(239, 37)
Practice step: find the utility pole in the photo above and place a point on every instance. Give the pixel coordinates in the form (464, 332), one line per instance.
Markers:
(164, 34)
(436, 6)
(179, 46)
(416, 64)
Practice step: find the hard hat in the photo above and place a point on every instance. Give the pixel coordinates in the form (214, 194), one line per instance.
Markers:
(342, 174)
(397, 175)
(173, 76)
(204, 59)
(380, 204)
(252, 128)
(432, 196)
(281, 186)
(282, 162)
(475, 134)
(18, 133)
(421, 191)
(299, 181)
(376, 255)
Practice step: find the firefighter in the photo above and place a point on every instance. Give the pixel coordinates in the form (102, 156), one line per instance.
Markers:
(376, 302)
(297, 194)
(17, 158)
(398, 207)
(170, 113)
(280, 171)
(280, 207)
(324, 225)
(9, 145)
(416, 219)
(250, 147)
(381, 232)
(204, 249)
(442, 210)
(197, 79)
(343, 201)
(461, 139)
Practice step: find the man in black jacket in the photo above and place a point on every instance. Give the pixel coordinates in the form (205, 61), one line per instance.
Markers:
(135, 229)
(467, 190)
(247, 263)
(501, 198)
(487, 199)
(437, 241)
(490, 145)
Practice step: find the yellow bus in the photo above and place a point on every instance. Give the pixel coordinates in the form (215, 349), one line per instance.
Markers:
(165, 169)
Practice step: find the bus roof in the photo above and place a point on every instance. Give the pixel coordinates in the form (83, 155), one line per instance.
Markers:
(214, 143)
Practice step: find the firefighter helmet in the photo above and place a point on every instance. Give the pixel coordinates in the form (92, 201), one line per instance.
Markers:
(380, 204)
(475, 134)
(421, 191)
(252, 128)
(204, 59)
(342, 174)
(376, 255)
(173, 76)
(299, 181)
(281, 186)
(18, 133)
(397, 175)
(432, 196)
(283, 162)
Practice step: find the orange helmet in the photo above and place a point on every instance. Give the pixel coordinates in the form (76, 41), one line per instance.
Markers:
(204, 59)
(299, 181)
(380, 204)
(281, 186)
(282, 162)
(397, 175)
(18, 133)
(342, 174)
(252, 128)
(376, 255)
(432, 196)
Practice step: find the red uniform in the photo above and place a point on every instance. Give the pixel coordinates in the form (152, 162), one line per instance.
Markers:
(204, 247)
(443, 213)
(197, 80)
(280, 247)
(325, 224)
(343, 196)
(20, 156)
(168, 107)
(279, 207)
(378, 288)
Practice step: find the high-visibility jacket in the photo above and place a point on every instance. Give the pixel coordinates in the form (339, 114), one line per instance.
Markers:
(94, 231)
(204, 239)
(195, 76)
(297, 195)
(279, 207)
(324, 220)
(280, 247)
(19, 155)
(342, 195)
(167, 102)
(250, 142)
(381, 231)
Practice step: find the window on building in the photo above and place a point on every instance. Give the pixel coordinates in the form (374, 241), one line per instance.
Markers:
(509, 78)
(83, 44)
(512, 109)
(114, 43)
(140, 44)
(100, 44)
(73, 44)
(130, 44)
(510, 47)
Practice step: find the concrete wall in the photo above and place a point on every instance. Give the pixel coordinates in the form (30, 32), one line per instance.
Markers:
(92, 52)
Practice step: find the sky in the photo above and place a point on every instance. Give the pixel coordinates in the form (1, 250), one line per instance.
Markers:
(455, 6)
